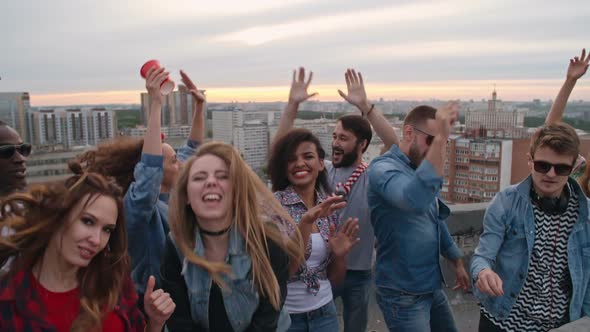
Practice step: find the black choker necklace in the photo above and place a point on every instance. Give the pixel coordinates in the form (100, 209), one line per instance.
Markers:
(221, 232)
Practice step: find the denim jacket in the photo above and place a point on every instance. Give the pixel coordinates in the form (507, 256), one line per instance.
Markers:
(408, 220)
(241, 299)
(506, 244)
(146, 214)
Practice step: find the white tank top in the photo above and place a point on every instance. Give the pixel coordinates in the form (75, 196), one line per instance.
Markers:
(299, 299)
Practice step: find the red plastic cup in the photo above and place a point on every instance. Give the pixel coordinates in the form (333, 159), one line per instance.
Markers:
(167, 86)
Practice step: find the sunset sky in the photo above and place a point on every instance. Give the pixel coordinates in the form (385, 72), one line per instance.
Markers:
(88, 52)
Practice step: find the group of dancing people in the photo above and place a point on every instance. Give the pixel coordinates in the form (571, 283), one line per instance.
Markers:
(143, 237)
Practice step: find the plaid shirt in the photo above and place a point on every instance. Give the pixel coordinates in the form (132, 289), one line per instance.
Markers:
(21, 308)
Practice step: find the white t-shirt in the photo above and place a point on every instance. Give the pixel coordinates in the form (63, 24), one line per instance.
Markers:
(299, 299)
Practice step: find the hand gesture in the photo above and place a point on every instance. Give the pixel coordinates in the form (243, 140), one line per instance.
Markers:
(153, 81)
(198, 97)
(158, 304)
(342, 241)
(298, 92)
(356, 91)
(462, 277)
(324, 209)
(488, 282)
(578, 66)
(446, 117)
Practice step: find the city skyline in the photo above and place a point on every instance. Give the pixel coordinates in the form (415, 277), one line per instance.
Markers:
(90, 53)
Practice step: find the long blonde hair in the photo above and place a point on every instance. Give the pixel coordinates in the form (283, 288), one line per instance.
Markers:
(253, 209)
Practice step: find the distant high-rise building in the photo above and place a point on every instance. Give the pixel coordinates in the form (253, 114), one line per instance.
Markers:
(13, 111)
(72, 127)
(46, 127)
(495, 122)
(176, 107)
(102, 125)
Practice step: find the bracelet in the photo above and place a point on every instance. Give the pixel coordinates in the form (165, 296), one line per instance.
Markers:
(370, 110)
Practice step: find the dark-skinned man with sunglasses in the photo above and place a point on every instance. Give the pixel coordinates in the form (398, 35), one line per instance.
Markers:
(531, 269)
(13, 158)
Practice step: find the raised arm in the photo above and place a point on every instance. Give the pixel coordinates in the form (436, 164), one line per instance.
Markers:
(152, 143)
(357, 96)
(297, 95)
(197, 133)
(198, 123)
(576, 69)
(437, 153)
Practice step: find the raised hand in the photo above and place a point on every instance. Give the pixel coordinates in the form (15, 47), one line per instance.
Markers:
(153, 81)
(488, 282)
(158, 305)
(324, 209)
(462, 281)
(198, 97)
(299, 86)
(446, 117)
(342, 241)
(357, 95)
(578, 66)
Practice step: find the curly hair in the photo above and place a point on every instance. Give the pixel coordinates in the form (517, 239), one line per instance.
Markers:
(281, 152)
(40, 213)
(116, 160)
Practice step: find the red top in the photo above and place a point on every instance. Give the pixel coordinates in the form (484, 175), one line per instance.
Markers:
(28, 306)
(63, 308)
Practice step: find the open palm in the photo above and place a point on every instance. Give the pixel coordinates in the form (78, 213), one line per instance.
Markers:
(342, 241)
(299, 86)
(578, 65)
(192, 88)
(357, 95)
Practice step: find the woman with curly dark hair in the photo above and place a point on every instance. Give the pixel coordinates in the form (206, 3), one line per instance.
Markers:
(68, 265)
(299, 179)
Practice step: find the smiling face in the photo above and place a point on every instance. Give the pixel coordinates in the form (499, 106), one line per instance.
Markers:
(346, 148)
(209, 191)
(304, 165)
(87, 231)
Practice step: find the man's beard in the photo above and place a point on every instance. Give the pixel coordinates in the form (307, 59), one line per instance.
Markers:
(415, 156)
(347, 159)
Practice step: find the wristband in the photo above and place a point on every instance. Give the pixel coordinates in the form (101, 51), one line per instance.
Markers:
(370, 110)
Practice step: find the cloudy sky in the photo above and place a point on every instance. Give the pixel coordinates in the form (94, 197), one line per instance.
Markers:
(84, 51)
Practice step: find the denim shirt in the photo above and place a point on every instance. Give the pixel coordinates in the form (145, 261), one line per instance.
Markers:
(408, 220)
(506, 244)
(146, 214)
(240, 299)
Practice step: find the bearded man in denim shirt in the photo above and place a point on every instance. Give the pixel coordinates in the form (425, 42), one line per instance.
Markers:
(408, 220)
(531, 269)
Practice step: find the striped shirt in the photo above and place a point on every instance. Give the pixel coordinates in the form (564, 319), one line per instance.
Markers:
(543, 301)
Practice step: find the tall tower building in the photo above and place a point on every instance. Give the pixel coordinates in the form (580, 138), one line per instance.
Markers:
(13, 110)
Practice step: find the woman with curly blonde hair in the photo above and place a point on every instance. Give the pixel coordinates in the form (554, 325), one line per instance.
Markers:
(66, 263)
(226, 263)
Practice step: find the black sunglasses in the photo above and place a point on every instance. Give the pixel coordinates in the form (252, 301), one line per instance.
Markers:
(544, 168)
(429, 138)
(7, 151)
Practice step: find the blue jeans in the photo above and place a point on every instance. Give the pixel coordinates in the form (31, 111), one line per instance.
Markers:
(354, 291)
(416, 313)
(322, 319)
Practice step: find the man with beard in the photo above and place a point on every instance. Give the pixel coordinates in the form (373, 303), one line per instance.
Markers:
(408, 220)
(13, 157)
(347, 175)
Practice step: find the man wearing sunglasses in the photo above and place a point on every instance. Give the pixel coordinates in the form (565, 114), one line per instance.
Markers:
(13, 157)
(531, 268)
(409, 222)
